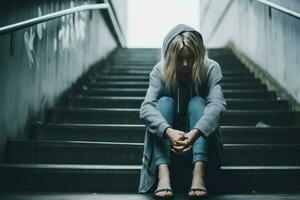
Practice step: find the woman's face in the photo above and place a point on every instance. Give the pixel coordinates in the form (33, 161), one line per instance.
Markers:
(185, 61)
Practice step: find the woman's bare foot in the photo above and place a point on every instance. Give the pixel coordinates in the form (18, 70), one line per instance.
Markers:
(163, 182)
(198, 183)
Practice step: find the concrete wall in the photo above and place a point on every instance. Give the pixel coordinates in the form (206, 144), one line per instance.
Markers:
(266, 36)
(39, 63)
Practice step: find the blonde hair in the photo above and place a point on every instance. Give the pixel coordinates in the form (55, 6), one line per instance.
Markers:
(195, 44)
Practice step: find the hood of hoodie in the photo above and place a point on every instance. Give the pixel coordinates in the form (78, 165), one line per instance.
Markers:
(180, 28)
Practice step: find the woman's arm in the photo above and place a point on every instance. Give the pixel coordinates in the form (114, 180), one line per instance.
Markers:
(149, 113)
(215, 103)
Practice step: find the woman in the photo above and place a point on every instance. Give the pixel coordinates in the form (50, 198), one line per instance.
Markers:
(184, 86)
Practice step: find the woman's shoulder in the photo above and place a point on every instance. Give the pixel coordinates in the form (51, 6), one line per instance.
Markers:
(212, 64)
(213, 70)
(158, 68)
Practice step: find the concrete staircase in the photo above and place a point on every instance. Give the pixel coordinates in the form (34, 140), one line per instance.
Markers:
(95, 142)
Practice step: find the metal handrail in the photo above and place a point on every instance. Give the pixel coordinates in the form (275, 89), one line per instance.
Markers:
(48, 17)
(280, 8)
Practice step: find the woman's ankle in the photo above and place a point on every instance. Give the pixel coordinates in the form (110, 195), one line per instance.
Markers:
(163, 171)
(199, 169)
(198, 175)
(163, 176)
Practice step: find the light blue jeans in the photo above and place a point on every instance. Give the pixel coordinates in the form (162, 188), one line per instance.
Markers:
(162, 147)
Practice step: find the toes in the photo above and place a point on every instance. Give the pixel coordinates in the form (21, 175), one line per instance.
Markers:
(197, 193)
(201, 193)
(161, 194)
(164, 193)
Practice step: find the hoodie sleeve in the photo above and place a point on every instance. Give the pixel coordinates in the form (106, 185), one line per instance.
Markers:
(215, 103)
(149, 113)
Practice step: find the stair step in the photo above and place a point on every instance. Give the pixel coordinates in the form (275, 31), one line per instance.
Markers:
(222, 52)
(130, 196)
(122, 78)
(96, 115)
(75, 152)
(66, 178)
(223, 62)
(134, 63)
(141, 65)
(131, 116)
(143, 72)
(79, 152)
(107, 178)
(137, 57)
(135, 133)
(253, 117)
(144, 84)
(226, 79)
(90, 132)
(259, 178)
(130, 69)
(104, 102)
(234, 93)
(257, 135)
(135, 102)
(137, 51)
(261, 154)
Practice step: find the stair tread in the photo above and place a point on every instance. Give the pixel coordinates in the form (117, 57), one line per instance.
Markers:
(68, 166)
(130, 196)
(244, 111)
(143, 126)
(135, 167)
(132, 144)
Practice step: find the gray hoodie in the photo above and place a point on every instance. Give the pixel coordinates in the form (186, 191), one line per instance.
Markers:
(208, 124)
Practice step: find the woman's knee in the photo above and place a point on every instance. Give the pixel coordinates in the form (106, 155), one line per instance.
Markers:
(196, 103)
(166, 106)
(166, 102)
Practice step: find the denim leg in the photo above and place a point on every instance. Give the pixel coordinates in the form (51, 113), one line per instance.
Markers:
(162, 147)
(195, 111)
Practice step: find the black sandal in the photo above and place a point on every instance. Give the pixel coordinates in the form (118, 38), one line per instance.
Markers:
(163, 197)
(196, 197)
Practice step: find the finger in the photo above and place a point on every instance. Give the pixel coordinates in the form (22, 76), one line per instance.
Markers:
(183, 142)
(187, 149)
(181, 132)
(178, 143)
(184, 151)
(182, 137)
(178, 148)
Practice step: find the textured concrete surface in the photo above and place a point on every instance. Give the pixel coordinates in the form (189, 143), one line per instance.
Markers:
(268, 37)
(39, 63)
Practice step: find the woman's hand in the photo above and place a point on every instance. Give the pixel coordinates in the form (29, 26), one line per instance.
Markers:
(185, 145)
(174, 136)
(191, 137)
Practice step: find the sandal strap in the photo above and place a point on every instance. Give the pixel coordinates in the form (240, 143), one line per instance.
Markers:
(198, 189)
(164, 190)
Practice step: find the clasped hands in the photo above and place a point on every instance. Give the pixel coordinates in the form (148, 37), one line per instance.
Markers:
(181, 142)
